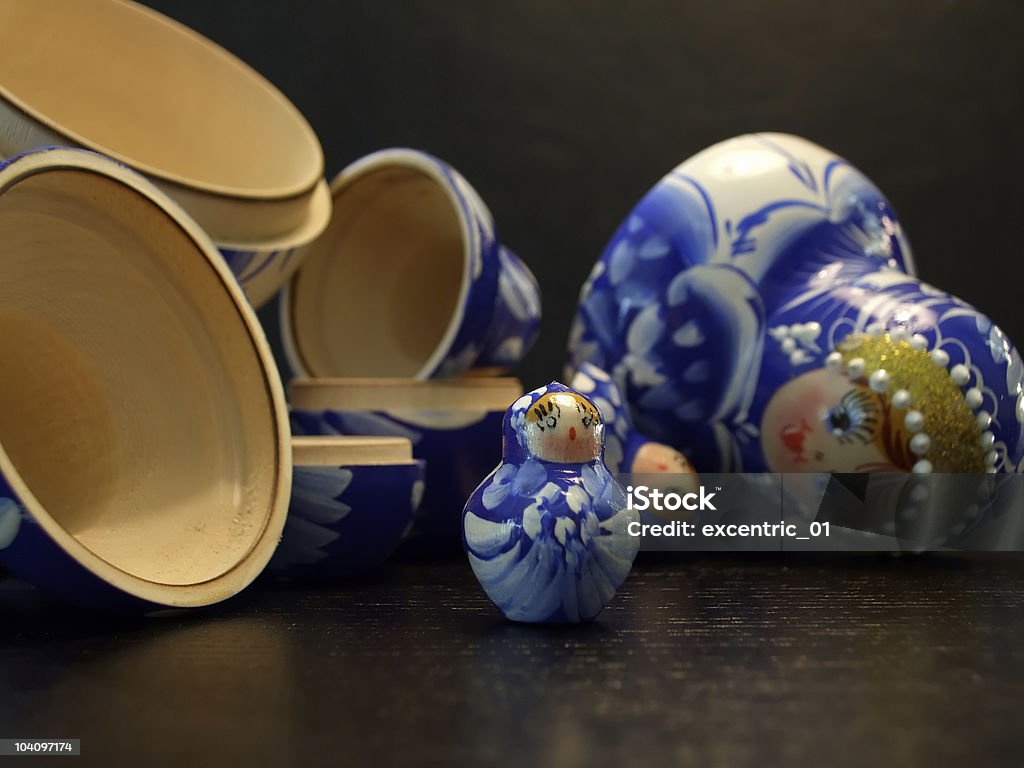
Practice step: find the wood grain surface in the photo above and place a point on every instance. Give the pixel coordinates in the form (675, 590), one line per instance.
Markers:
(710, 660)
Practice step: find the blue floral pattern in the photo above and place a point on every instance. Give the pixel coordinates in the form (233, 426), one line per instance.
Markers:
(345, 521)
(28, 550)
(501, 316)
(456, 452)
(10, 522)
(745, 267)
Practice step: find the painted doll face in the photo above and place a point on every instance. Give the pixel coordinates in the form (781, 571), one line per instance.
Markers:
(822, 422)
(680, 476)
(564, 428)
(656, 458)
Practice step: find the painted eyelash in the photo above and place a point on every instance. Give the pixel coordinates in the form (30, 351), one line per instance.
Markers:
(547, 415)
(590, 416)
(861, 410)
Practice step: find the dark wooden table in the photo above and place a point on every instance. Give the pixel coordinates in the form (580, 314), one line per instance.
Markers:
(705, 660)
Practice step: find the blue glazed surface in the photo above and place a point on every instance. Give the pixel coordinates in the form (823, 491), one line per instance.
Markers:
(457, 454)
(259, 273)
(501, 314)
(742, 271)
(623, 442)
(547, 540)
(27, 550)
(346, 521)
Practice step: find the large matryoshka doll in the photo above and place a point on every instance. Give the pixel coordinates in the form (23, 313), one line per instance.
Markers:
(760, 312)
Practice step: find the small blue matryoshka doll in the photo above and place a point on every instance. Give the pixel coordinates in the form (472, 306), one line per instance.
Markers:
(546, 531)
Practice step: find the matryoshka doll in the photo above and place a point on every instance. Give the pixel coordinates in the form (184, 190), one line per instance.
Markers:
(759, 311)
(883, 402)
(547, 531)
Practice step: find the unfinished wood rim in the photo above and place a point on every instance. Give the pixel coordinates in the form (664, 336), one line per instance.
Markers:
(357, 451)
(473, 395)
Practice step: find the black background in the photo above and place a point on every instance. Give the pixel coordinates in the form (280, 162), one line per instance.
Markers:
(562, 114)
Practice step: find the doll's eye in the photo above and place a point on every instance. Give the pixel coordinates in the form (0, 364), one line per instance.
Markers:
(588, 415)
(854, 418)
(554, 415)
(547, 417)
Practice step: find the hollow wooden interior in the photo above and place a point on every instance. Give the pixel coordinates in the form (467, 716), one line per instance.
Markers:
(379, 293)
(135, 410)
(132, 84)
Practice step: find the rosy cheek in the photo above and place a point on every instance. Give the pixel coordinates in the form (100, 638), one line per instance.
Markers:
(804, 411)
